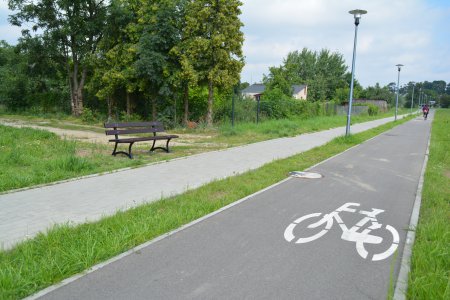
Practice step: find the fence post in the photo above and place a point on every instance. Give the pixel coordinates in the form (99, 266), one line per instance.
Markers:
(232, 110)
(258, 98)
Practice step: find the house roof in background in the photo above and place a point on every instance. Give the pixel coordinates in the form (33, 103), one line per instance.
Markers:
(257, 88)
(297, 88)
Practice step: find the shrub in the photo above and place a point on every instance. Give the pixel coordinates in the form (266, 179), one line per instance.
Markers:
(88, 115)
(373, 110)
(129, 117)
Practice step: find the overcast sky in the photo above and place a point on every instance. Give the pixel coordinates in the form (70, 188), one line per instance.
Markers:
(415, 33)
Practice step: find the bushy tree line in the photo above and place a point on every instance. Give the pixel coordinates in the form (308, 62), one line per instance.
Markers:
(437, 92)
(323, 72)
(328, 80)
(137, 56)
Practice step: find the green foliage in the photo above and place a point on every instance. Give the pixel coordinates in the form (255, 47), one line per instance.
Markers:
(161, 32)
(445, 101)
(88, 116)
(373, 110)
(244, 110)
(323, 72)
(213, 44)
(14, 86)
(124, 117)
(379, 93)
(71, 30)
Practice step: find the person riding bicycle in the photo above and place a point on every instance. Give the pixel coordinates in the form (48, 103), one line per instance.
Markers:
(425, 110)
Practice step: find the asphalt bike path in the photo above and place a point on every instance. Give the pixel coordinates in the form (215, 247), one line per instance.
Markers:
(23, 214)
(337, 237)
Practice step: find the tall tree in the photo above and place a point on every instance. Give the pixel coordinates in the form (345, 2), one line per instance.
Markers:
(324, 72)
(160, 24)
(214, 44)
(74, 28)
(380, 93)
(116, 54)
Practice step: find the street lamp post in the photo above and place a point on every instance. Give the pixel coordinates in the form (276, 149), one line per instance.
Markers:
(420, 97)
(399, 66)
(357, 13)
(412, 97)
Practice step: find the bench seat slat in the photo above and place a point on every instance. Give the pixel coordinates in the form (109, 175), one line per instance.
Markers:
(141, 139)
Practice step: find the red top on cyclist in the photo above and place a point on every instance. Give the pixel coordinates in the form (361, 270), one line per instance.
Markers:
(425, 109)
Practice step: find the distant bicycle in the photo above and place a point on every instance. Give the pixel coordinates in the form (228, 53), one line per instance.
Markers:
(348, 234)
(425, 110)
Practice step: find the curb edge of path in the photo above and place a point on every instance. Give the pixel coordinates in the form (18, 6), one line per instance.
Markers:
(401, 286)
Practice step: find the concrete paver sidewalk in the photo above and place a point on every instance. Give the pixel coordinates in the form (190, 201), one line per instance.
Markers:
(329, 238)
(25, 213)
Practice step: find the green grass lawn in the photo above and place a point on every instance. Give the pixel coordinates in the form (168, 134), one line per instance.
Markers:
(29, 157)
(430, 263)
(66, 250)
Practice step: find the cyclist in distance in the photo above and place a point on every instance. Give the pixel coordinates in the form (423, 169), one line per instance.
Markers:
(425, 110)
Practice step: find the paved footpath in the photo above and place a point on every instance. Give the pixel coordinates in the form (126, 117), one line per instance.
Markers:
(331, 238)
(23, 214)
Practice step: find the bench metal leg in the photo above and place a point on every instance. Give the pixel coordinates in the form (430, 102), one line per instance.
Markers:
(123, 152)
(153, 146)
(114, 151)
(129, 151)
(162, 148)
(167, 145)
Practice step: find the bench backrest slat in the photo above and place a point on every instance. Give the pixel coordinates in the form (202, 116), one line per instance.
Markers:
(132, 131)
(133, 128)
(133, 124)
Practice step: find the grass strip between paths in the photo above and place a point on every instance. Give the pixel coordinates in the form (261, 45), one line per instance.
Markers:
(66, 250)
(430, 263)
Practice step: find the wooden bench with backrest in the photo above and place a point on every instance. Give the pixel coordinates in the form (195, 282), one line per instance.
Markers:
(120, 129)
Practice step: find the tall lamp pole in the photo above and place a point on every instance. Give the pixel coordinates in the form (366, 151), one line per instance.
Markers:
(357, 13)
(412, 97)
(420, 97)
(399, 66)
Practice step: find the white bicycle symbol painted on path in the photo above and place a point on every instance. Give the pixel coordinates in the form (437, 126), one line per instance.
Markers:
(348, 234)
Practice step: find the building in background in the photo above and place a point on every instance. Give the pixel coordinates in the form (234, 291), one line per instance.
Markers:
(256, 90)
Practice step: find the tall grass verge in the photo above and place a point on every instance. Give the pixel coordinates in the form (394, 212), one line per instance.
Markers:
(30, 157)
(269, 129)
(66, 250)
(430, 262)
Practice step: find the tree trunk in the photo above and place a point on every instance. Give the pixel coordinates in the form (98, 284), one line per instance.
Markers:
(77, 87)
(109, 102)
(74, 91)
(154, 114)
(209, 113)
(186, 105)
(129, 109)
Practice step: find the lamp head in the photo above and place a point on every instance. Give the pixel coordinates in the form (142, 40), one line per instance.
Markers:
(357, 13)
(399, 67)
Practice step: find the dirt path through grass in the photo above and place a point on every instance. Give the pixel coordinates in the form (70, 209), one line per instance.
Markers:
(86, 135)
(79, 135)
